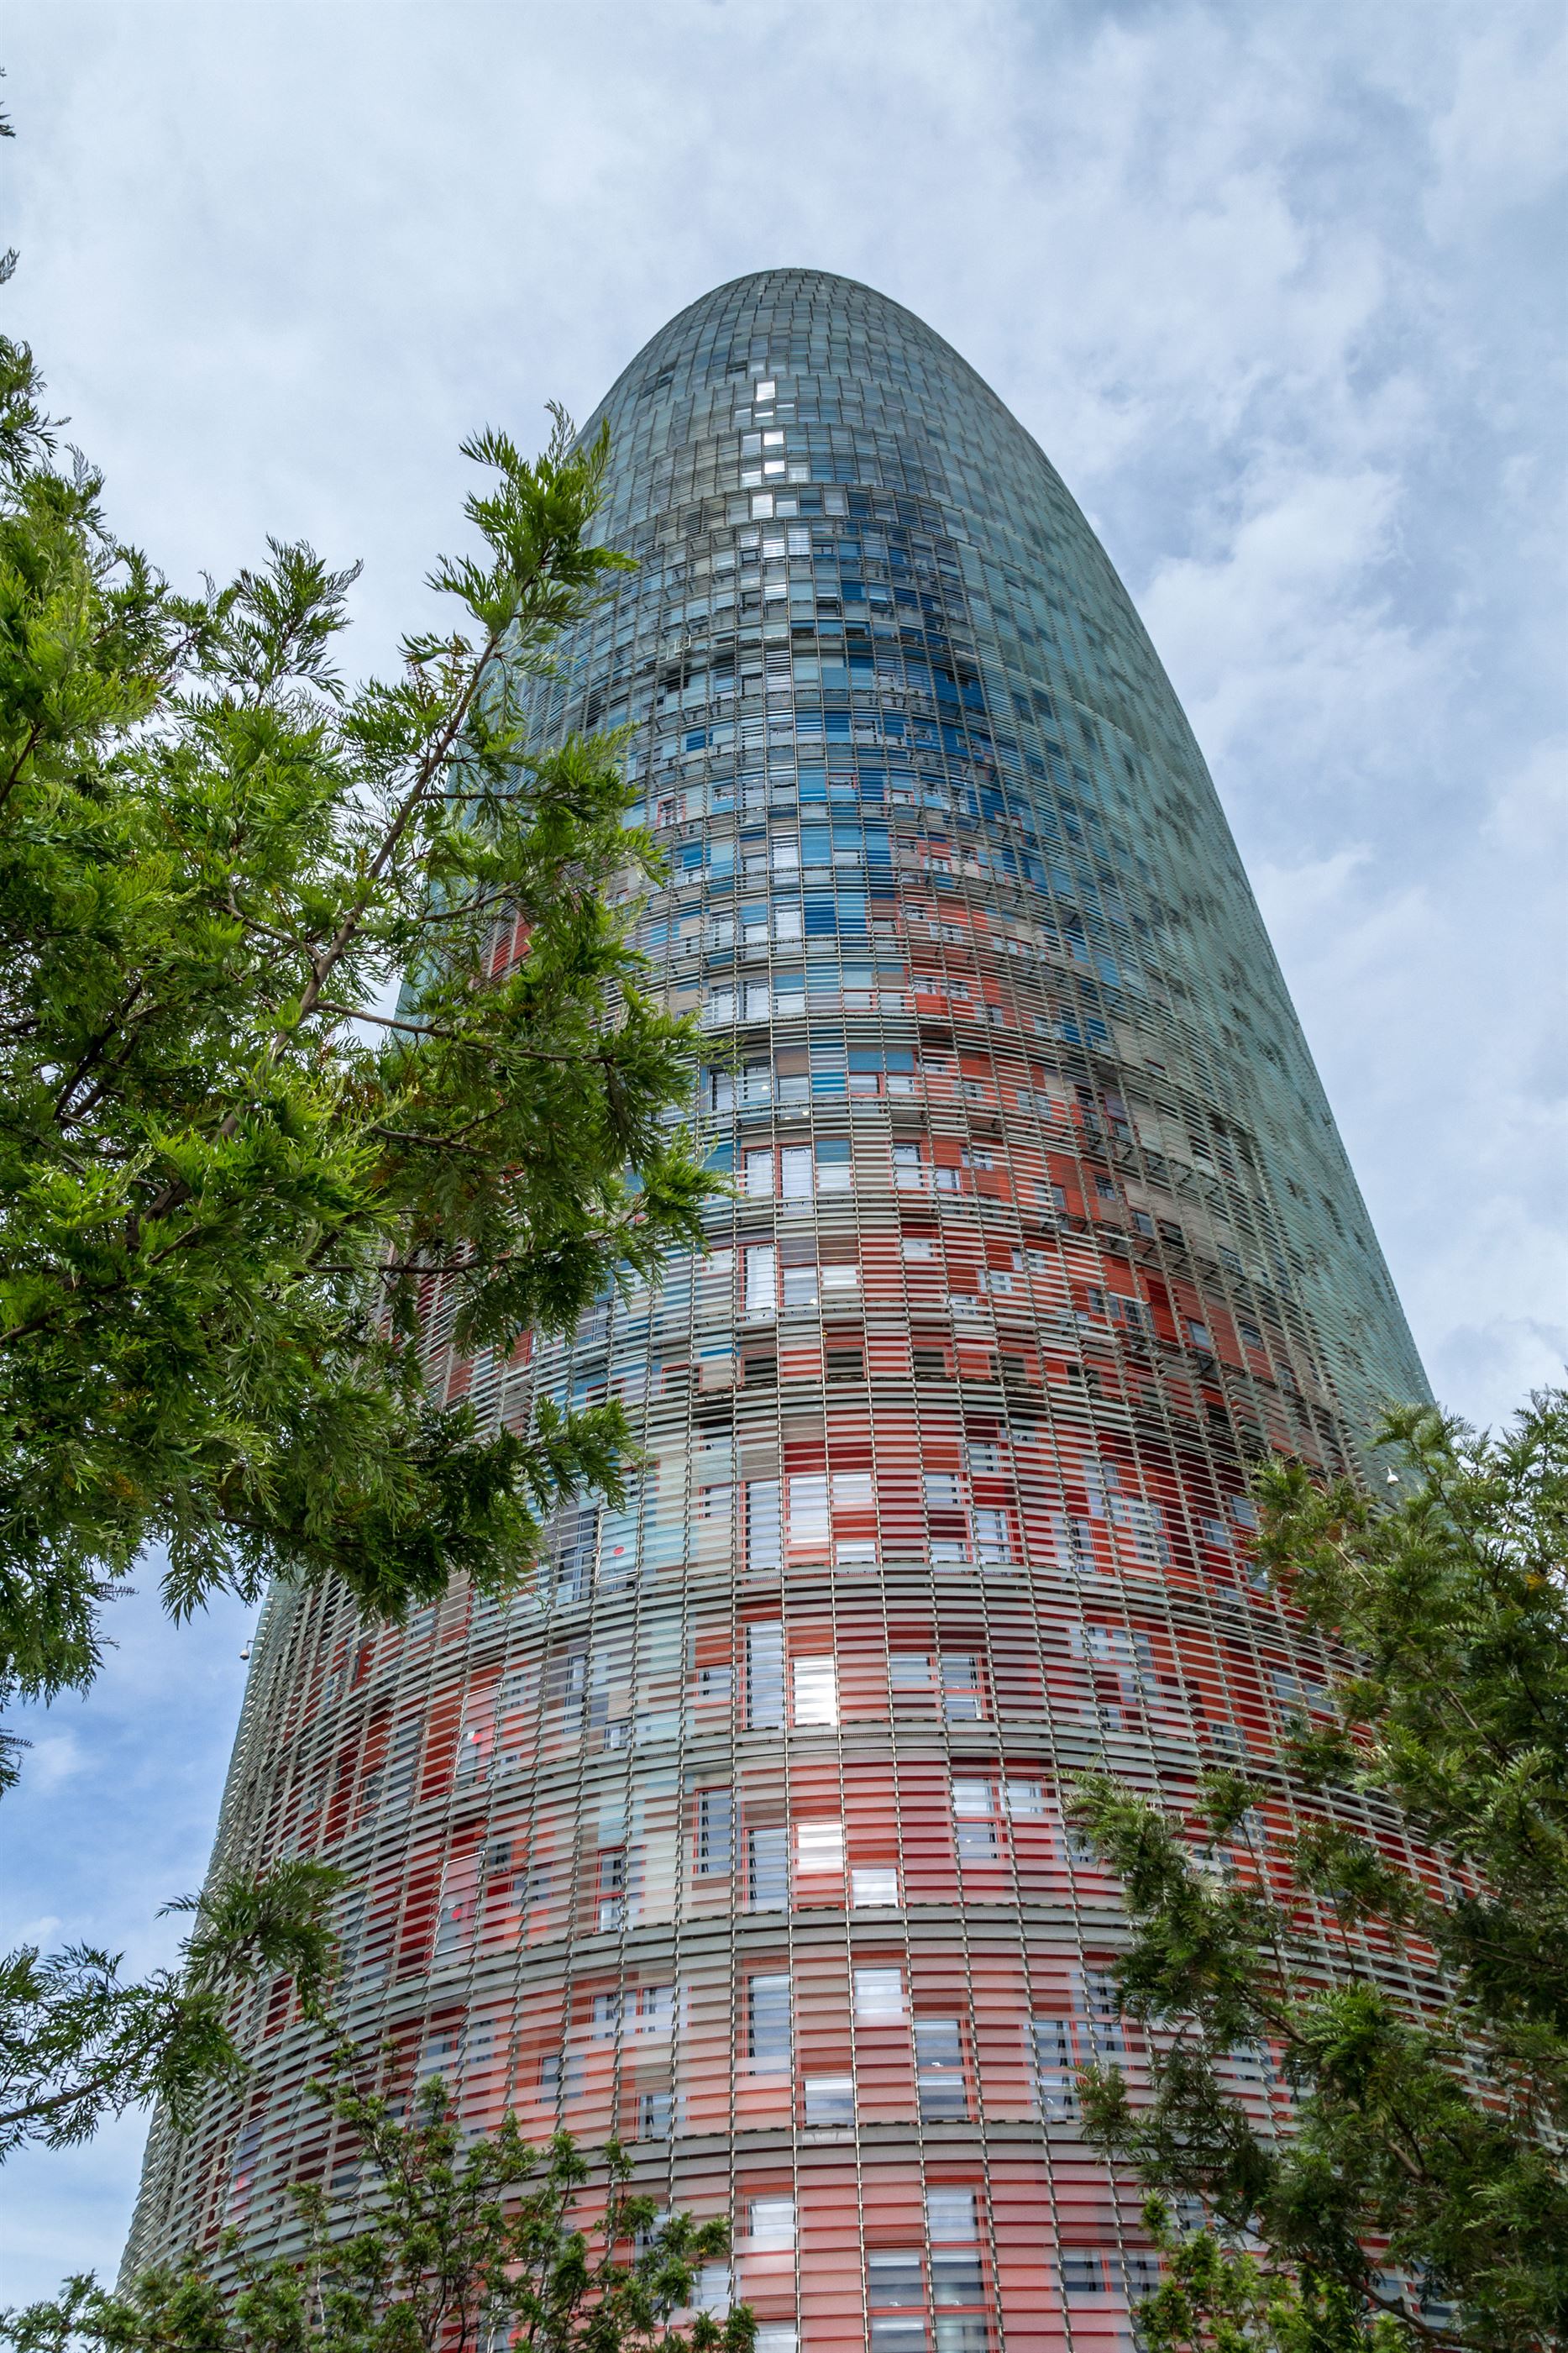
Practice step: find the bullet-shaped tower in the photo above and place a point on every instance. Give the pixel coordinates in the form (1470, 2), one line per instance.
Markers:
(742, 1834)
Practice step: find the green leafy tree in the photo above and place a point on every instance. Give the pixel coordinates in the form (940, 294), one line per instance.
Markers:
(239, 1171)
(1217, 2296)
(468, 2244)
(78, 2044)
(234, 1175)
(1428, 2135)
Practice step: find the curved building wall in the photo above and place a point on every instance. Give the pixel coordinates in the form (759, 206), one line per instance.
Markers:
(742, 1834)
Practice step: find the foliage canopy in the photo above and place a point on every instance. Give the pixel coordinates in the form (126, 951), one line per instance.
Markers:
(1428, 2134)
(465, 2244)
(237, 1180)
(78, 2044)
(231, 1173)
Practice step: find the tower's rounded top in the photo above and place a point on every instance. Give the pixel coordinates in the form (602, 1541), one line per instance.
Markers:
(796, 321)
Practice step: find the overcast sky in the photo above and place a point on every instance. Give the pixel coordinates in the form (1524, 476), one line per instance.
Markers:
(1278, 286)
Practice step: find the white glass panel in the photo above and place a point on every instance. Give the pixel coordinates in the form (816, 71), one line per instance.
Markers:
(773, 2225)
(816, 1692)
(760, 1279)
(796, 1169)
(872, 1889)
(820, 1846)
(878, 1997)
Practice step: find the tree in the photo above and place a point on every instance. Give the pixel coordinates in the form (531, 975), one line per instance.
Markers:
(1429, 2133)
(1220, 2298)
(237, 1181)
(467, 2245)
(77, 2043)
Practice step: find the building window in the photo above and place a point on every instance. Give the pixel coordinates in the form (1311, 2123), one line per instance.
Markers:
(830, 2099)
(763, 1529)
(655, 2011)
(612, 1912)
(710, 2291)
(939, 2071)
(1055, 2068)
(911, 1676)
(1101, 2012)
(873, 1887)
(715, 1832)
(562, 2075)
(820, 1846)
(1075, 1543)
(901, 2292)
(974, 1822)
(950, 2215)
(993, 1541)
(815, 1692)
(954, 1676)
(1063, 2043)
(810, 1518)
(769, 2038)
(796, 1172)
(879, 1997)
(767, 1868)
(772, 2223)
(895, 2294)
(801, 1286)
(958, 2292)
(761, 1280)
(962, 1693)
(1085, 2272)
(764, 1673)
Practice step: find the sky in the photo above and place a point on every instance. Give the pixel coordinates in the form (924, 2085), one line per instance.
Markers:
(1278, 286)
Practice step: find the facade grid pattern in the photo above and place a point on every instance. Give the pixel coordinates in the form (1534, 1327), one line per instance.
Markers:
(741, 1834)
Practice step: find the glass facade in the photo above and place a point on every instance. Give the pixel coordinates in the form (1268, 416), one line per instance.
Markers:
(741, 1835)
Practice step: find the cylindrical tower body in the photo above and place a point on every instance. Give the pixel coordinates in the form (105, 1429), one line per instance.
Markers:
(741, 1836)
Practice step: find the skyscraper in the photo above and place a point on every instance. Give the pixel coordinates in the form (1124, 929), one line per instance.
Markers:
(742, 1834)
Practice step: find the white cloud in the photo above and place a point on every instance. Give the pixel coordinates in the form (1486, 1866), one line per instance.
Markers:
(1498, 144)
(1285, 634)
(41, 1932)
(1529, 812)
(1430, 1015)
(54, 1759)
